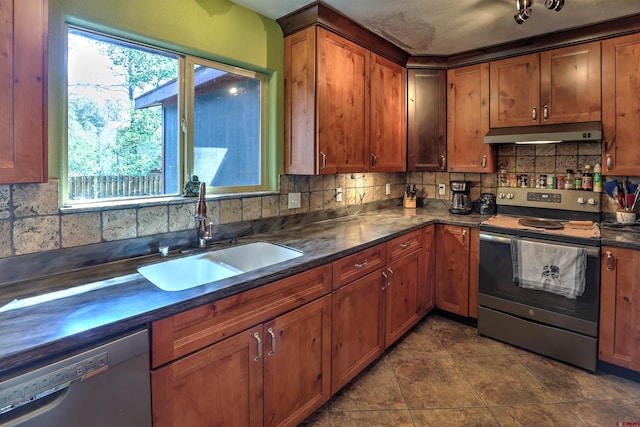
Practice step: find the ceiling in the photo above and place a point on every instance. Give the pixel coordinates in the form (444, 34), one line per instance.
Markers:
(447, 27)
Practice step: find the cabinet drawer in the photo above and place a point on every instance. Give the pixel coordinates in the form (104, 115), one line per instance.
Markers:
(403, 245)
(194, 329)
(354, 266)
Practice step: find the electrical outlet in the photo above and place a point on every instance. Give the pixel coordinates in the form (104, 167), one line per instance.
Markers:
(387, 189)
(442, 190)
(338, 194)
(294, 201)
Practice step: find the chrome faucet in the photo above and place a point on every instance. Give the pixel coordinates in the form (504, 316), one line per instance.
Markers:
(204, 230)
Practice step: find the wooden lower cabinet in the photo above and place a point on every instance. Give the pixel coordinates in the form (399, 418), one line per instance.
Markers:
(357, 327)
(401, 299)
(452, 269)
(275, 374)
(427, 272)
(620, 307)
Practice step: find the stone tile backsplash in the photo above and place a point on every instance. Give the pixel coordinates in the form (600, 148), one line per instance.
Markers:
(31, 221)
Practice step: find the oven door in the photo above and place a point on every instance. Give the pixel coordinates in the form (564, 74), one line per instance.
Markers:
(498, 291)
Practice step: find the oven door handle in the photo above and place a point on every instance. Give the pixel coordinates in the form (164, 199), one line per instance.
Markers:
(495, 238)
(500, 238)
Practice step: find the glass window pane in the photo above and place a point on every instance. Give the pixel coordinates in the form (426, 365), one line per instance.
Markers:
(122, 119)
(227, 128)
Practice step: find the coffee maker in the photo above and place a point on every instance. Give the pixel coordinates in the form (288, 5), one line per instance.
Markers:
(460, 197)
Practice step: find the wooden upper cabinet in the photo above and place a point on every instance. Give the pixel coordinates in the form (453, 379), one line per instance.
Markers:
(556, 86)
(468, 120)
(388, 130)
(427, 120)
(621, 105)
(515, 91)
(344, 106)
(23, 91)
(570, 82)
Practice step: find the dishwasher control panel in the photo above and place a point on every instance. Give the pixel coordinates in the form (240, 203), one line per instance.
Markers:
(33, 386)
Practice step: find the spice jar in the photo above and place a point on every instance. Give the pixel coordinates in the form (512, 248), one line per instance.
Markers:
(568, 180)
(502, 178)
(560, 182)
(577, 181)
(587, 178)
(551, 182)
(542, 181)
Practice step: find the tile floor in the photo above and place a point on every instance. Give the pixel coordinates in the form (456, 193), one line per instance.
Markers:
(443, 373)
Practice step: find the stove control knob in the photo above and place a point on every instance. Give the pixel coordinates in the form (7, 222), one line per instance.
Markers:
(581, 200)
(591, 201)
(501, 196)
(510, 196)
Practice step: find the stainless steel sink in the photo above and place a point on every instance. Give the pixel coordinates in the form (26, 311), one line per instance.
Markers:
(196, 270)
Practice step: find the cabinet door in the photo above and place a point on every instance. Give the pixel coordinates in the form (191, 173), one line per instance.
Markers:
(468, 120)
(388, 131)
(570, 84)
(301, 154)
(219, 385)
(427, 120)
(297, 358)
(23, 91)
(620, 308)
(357, 329)
(452, 269)
(621, 105)
(427, 272)
(401, 299)
(474, 265)
(515, 91)
(342, 87)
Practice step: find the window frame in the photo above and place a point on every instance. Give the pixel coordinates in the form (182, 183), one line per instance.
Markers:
(185, 125)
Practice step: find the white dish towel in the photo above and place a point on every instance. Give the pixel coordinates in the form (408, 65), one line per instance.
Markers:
(547, 267)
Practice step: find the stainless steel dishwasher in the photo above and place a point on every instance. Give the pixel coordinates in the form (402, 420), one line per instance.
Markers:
(105, 386)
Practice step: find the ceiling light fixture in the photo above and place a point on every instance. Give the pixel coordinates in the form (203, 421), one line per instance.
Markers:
(524, 8)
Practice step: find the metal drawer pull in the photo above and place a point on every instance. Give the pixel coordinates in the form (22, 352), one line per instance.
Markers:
(386, 281)
(608, 162)
(484, 161)
(374, 161)
(257, 337)
(324, 161)
(405, 245)
(534, 114)
(393, 276)
(443, 163)
(464, 237)
(273, 342)
(609, 261)
(545, 113)
(364, 264)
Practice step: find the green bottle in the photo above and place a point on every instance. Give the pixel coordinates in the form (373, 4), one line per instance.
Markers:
(597, 178)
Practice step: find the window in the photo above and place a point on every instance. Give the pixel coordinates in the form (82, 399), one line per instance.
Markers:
(141, 119)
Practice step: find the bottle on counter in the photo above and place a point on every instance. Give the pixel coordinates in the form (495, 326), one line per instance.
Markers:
(568, 180)
(577, 181)
(597, 178)
(502, 178)
(587, 178)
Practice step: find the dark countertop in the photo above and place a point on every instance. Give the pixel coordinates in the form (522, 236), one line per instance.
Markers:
(125, 301)
(622, 236)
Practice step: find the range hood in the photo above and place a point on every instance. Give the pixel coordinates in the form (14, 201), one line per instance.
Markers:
(546, 134)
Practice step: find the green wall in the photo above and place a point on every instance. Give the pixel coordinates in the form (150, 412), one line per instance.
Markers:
(215, 29)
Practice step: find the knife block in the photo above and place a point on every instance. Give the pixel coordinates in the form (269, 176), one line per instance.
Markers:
(409, 202)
